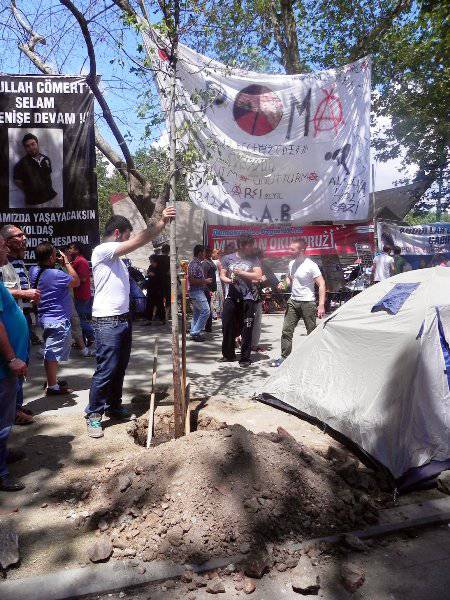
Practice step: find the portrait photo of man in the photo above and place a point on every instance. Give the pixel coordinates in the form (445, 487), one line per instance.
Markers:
(35, 168)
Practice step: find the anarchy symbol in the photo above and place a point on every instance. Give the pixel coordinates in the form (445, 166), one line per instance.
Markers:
(329, 113)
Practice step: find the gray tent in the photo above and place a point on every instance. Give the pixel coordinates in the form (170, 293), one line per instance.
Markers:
(377, 373)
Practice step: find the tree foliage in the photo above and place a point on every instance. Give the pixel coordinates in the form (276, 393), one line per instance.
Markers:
(407, 39)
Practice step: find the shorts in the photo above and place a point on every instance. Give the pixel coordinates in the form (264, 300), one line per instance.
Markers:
(57, 340)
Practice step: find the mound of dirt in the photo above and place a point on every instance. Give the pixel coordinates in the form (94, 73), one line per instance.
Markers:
(164, 426)
(225, 492)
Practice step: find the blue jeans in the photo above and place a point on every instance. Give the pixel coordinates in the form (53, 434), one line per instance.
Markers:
(112, 350)
(200, 311)
(84, 310)
(8, 390)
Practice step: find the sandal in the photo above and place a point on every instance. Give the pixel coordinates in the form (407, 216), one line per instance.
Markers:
(22, 418)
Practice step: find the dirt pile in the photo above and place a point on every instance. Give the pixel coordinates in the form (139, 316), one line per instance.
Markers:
(225, 492)
(164, 426)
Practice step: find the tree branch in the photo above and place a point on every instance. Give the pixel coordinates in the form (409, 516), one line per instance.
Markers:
(93, 84)
(360, 48)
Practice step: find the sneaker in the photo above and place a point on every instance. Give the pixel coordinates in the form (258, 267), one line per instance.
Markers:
(224, 359)
(59, 391)
(120, 414)
(245, 363)
(277, 362)
(198, 338)
(85, 352)
(9, 484)
(94, 425)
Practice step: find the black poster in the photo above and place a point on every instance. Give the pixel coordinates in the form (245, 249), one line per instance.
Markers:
(47, 159)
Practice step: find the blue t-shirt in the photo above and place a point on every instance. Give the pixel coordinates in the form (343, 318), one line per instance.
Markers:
(16, 327)
(55, 304)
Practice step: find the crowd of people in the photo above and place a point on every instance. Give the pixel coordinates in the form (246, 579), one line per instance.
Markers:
(88, 306)
(58, 288)
(236, 280)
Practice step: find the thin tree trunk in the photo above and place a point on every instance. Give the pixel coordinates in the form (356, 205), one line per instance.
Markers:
(178, 408)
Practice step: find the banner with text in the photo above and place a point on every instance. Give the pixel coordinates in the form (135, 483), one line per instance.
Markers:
(275, 239)
(47, 159)
(433, 238)
(272, 147)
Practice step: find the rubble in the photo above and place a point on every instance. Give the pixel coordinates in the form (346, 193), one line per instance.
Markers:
(305, 577)
(352, 575)
(224, 492)
(100, 550)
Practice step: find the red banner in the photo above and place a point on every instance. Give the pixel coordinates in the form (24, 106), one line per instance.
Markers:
(275, 239)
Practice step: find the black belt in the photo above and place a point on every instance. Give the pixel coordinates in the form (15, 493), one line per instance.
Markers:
(112, 318)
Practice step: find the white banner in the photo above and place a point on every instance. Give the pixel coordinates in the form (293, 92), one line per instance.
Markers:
(433, 238)
(273, 148)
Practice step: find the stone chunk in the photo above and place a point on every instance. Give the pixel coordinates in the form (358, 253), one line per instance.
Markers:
(215, 586)
(352, 575)
(257, 564)
(305, 577)
(249, 586)
(9, 547)
(124, 483)
(101, 550)
(443, 482)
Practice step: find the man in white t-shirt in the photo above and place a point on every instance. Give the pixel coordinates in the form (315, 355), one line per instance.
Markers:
(303, 275)
(383, 265)
(111, 317)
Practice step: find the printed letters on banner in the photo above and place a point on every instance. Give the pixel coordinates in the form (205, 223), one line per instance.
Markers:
(433, 238)
(272, 148)
(47, 159)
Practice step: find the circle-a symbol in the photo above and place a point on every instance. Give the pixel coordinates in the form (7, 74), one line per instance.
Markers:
(257, 110)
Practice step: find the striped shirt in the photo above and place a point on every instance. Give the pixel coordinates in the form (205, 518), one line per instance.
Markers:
(15, 277)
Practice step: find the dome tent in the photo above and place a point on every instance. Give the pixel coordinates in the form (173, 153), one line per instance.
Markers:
(377, 373)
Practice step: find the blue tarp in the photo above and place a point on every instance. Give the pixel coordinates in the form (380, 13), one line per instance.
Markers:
(395, 298)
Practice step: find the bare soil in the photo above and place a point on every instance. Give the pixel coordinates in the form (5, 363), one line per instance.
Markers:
(224, 491)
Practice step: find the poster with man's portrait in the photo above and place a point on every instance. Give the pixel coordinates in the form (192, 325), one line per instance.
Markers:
(48, 184)
(36, 168)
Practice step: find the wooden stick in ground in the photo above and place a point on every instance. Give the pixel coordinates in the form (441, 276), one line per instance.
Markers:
(151, 414)
(187, 427)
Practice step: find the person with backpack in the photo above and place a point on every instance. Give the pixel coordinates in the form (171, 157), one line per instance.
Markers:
(54, 309)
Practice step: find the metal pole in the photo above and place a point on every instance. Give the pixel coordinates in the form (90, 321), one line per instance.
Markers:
(439, 199)
(374, 208)
(177, 393)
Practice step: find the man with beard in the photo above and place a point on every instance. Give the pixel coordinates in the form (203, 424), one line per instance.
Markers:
(33, 173)
(111, 317)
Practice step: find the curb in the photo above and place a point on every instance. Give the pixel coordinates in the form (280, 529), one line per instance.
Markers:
(74, 583)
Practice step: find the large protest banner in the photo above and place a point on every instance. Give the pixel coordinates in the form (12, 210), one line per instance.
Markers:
(272, 147)
(47, 159)
(433, 238)
(275, 239)
(422, 246)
